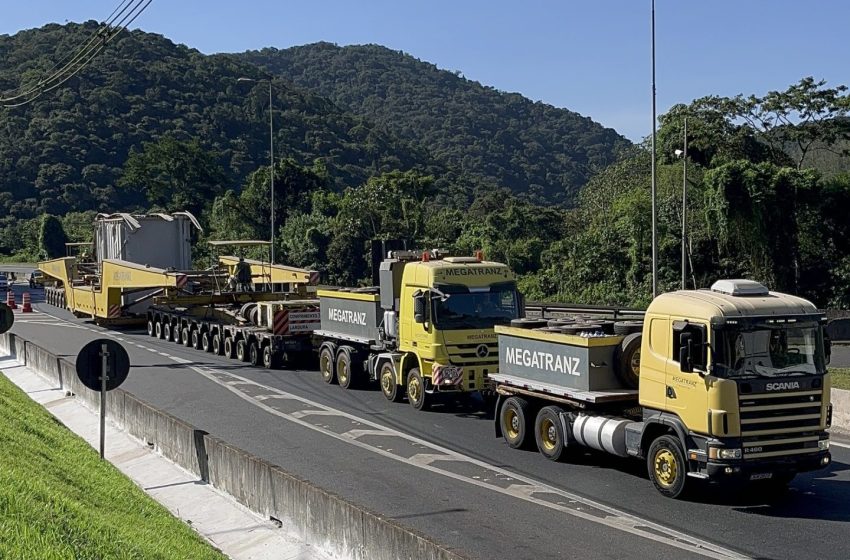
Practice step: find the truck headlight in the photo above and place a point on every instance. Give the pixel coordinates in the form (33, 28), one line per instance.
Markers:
(823, 444)
(724, 453)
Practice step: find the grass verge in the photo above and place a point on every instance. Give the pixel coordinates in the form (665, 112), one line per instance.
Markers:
(58, 500)
(840, 377)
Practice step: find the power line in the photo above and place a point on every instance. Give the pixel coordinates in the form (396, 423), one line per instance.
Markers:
(97, 43)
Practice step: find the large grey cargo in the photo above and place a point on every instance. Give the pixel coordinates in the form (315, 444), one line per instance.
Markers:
(156, 240)
(352, 319)
(585, 364)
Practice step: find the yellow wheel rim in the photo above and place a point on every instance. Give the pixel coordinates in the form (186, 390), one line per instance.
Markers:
(634, 363)
(666, 467)
(512, 423)
(387, 381)
(548, 434)
(413, 388)
(342, 373)
(326, 366)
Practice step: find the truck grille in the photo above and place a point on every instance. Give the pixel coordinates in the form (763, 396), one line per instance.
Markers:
(780, 424)
(468, 355)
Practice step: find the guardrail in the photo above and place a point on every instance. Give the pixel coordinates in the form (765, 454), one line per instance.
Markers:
(535, 309)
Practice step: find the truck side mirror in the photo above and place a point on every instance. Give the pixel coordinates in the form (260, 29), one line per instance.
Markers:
(521, 304)
(686, 348)
(419, 308)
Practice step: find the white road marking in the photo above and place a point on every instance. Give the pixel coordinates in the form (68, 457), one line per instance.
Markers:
(526, 489)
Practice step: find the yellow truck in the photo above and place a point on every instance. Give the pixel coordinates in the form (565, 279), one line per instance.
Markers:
(426, 330)
(731, 385)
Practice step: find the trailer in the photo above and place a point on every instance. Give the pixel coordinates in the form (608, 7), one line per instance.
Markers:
(731, 387)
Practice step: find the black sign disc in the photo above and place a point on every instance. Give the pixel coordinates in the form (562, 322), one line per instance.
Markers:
(7, 317)
(90, 363)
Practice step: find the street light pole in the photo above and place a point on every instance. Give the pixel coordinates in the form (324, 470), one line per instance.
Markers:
(654, 227)
(271, 154)
(685, 206)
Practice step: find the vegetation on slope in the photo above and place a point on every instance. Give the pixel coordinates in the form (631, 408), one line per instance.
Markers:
(59, 500)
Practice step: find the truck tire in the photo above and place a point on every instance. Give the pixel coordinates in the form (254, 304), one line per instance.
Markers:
(229, 350)
(346, 373)
(242, 350)
(416, 395)
(195, 338)
(186, 337)
(623, 328)
(515, 422)
(270, 359)
(151, 328)
(327, 365)
(166, 332)
(391, 390)
(667, 467)
(158, 329)
(549, 433)
(627, 360)
(217, 345)
(206, 342)
(527, 323)
(254, 357)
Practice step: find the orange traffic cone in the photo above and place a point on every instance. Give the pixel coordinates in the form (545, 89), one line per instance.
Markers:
(10, 300)
(26, 306)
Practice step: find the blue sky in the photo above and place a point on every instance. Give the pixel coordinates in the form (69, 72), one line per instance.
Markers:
(592, 57)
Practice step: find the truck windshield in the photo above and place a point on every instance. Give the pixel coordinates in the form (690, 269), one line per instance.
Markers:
(768, 350)
(463, 309)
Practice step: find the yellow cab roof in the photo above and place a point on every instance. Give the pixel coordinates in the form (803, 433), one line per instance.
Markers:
(442, 271)
(706, 304)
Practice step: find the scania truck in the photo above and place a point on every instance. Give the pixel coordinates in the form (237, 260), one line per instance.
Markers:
(726, 384)
(426, 330)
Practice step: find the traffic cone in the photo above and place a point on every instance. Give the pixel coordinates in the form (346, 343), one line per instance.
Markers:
(10, 300)
(26, 306)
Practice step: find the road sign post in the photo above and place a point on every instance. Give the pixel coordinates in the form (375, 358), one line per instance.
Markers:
(103, 365)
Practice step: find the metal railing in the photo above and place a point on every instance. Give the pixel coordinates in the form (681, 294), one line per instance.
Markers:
(536, 310)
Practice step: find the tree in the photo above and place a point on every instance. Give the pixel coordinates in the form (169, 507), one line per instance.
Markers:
(175, 175)
(51, 237)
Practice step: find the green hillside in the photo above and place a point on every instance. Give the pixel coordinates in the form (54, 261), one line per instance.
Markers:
(541, 151)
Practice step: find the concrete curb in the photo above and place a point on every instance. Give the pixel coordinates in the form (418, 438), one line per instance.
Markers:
(317, 516)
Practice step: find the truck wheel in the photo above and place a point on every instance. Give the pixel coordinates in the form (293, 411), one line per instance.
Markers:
(206, 342)
(345, 375)
(667, 467)
(195, 339)
(254, 357)
(515, 421)
(270, 359)
(217, 345)
(416, 395)
(326, 365)
(166, 331)
(151, 328)
(158, 329)
(186, 336)
(242, 350)
(627, 360)
(228, 347)
(549, 433)
(389, 387)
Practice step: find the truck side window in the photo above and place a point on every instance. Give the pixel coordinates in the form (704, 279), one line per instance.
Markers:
(698, 337)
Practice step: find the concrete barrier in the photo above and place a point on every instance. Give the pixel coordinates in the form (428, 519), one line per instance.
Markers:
(319, 517)
(841, 409)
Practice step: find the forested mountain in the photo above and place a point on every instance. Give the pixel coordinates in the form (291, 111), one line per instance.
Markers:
(536, 149)
(66, 150)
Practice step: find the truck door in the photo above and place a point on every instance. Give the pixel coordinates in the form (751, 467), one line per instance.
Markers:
(687, 391)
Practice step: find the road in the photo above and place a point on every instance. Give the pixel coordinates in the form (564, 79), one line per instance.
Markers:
(445, 474)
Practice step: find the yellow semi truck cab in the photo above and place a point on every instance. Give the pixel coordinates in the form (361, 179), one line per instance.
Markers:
(727, 384)
(428, 328)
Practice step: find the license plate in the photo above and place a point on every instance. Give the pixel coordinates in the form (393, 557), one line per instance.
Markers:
(761, 476)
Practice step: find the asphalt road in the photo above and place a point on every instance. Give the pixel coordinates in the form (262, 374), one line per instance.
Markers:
(445, 474)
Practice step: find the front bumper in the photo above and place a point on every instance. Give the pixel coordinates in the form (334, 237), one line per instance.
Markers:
(753, 470)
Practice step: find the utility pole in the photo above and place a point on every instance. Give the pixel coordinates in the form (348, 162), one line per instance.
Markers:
(654, 211)
(685, 207)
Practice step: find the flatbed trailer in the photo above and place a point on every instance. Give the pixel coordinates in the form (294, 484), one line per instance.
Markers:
(266, 333)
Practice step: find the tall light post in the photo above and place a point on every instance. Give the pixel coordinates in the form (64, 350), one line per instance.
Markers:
(654, 211)
(684, 155)
(271, 152)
